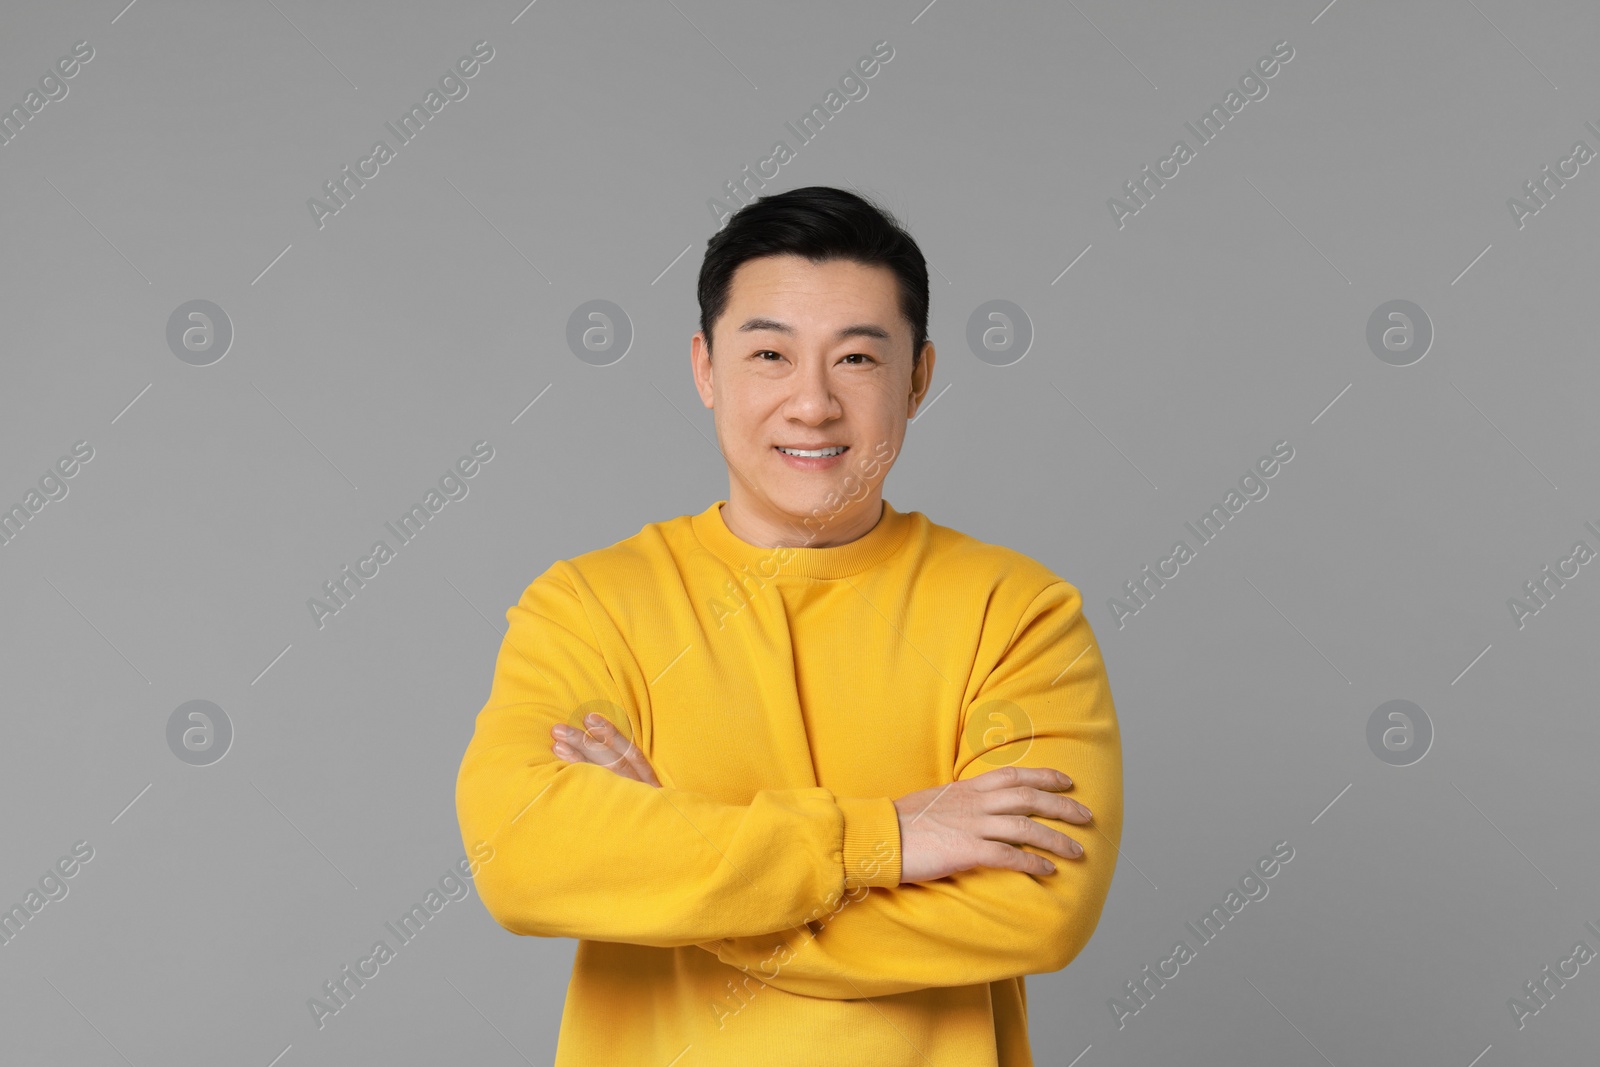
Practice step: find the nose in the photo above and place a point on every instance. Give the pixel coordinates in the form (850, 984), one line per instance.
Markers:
(811, 399)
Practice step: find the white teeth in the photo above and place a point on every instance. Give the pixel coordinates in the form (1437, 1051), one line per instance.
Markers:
(812, 453)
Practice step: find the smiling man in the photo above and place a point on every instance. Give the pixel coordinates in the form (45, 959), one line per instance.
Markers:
(792, 769)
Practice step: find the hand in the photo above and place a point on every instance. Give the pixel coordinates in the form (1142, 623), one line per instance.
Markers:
(603, 745)
(955, 827)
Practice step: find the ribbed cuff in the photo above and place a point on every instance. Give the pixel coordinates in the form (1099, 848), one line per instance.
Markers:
(871, 850)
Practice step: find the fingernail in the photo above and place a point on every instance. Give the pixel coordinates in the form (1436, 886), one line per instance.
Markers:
(1086, 812)
(1077, 849)
(592, 719)
(1049, 868)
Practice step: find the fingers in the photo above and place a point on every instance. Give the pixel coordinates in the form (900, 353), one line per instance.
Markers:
(634, 758)
(1023, 792)
(1030, 791)
(1007, 797)
(1022, 830)
(1029, 801)
(1015, 859)
(587, 746)
(604, 745)
(1037, 777)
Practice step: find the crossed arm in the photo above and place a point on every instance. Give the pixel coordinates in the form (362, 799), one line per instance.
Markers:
(576, 851)
(1045, 704)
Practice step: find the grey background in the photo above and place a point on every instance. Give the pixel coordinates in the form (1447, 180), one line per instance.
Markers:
(1228, 315)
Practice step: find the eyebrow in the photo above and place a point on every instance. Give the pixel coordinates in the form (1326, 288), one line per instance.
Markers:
(859, 329)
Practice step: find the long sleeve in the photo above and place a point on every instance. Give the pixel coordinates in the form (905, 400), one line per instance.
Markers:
(1045, 703)
(581, 852)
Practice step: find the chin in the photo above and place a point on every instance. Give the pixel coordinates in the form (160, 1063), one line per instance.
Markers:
(799, 504)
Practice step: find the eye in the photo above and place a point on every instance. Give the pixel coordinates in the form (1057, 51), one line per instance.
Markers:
(765, 352)
(862, 355)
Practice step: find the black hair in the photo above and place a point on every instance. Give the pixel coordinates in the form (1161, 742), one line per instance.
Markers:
(821, 223)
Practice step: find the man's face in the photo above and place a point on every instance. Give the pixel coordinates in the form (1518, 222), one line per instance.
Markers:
(809, 355)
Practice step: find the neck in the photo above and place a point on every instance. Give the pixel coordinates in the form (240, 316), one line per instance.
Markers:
(758, 522)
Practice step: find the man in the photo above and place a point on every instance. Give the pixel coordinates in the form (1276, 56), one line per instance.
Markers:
(809, 820)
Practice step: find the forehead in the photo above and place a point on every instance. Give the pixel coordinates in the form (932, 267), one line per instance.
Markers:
(802, 294)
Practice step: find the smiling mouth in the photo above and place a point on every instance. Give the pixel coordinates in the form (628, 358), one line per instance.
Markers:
(813, 453)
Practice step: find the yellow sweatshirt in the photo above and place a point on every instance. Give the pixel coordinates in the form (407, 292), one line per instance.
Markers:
(749, 911)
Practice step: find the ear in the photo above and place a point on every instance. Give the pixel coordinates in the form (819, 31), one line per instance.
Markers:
(700, 366)
(921, 379)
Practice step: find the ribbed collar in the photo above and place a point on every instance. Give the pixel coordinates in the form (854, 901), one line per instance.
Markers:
(838, 561)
